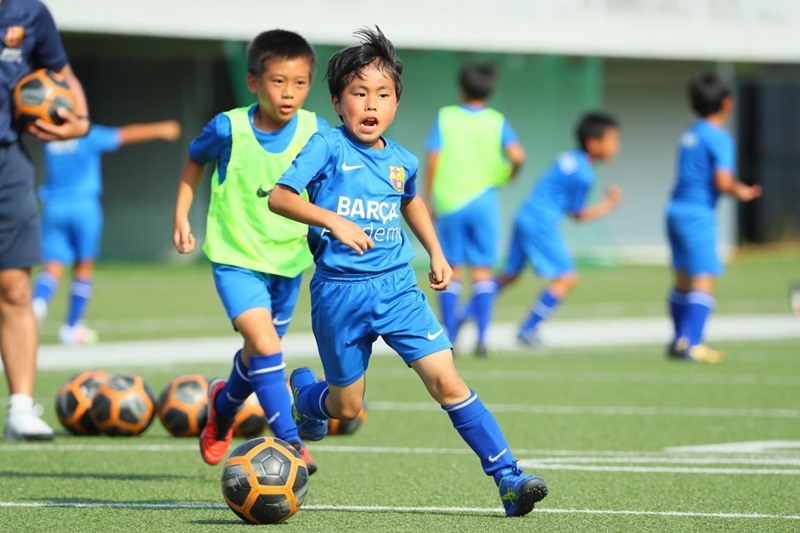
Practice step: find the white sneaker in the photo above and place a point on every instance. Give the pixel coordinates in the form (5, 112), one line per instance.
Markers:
(27, 425)
(794, 299)
(78, 334)
(39, 310)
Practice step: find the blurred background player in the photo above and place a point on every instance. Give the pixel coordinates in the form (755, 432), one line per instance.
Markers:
(562, 190)
(30, 41)
(363, 287)
(257, 257)
(705, 169)
(472, 150)
(72, 218)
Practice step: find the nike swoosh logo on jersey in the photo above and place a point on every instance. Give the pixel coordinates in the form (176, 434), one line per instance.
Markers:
(278, 322)
(494, 458)
(432, 336)
(261, 193)
(347, 167)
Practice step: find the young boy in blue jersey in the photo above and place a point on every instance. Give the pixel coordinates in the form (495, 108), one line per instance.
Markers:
(72, 218)
(359, 185)
(257, 257)
(472, 150)
(562, 191)
(705, 170)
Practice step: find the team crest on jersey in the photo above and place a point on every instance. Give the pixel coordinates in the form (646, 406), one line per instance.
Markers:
(14, 35)
(397, 175)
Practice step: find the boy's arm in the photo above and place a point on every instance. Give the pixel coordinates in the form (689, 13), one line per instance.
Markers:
(516, 155)
(167, 130)
(182, 236)
(416, 216)
(612, 198)
(726, 184)
(285, 201)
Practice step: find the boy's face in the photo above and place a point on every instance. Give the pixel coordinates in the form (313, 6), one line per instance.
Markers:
(281, 89)
(367, 106)
(606, 147)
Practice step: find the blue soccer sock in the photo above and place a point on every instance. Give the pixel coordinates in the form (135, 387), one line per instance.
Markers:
(699, 307)
(235, 391)
(541, 310)
(80, 294)
(479, 429)
(46, 285)
(481, 304)
(310, 400)
(677, 310)
(448, 303)
(269, 383)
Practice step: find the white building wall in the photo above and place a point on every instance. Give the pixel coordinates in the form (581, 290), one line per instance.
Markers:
(746, 30)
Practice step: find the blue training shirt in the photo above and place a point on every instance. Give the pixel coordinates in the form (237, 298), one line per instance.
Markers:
(434, 141)
(563, 189)
(704, 148)
(364, 185)
(214, 142)
(28, 40)
(73, 167)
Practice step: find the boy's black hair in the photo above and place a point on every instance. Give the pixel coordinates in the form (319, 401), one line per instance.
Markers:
(277, 44)
(706, 92)
(477, 79)
(593, 125)
(346, 64)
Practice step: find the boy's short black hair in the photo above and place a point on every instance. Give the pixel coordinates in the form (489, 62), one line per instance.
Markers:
(707, 90)
(346, 64)
(277, 44)
(477, 79)
(593, 125)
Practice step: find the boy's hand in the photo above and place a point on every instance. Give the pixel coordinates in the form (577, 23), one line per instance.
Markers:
(441, 273)
(746, 193)
(182, 237)
(73, 126)
(351, 234)
(614, 195)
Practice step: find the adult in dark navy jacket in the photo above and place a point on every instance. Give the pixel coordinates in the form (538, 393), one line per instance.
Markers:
(29, 40)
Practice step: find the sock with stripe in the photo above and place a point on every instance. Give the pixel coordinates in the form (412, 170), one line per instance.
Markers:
(448, 303)
(269, 383)
(80, 294)
(677, 310)
(481, 304)
(698, 309)
(235, 391)
(541, 310)
(479, 429)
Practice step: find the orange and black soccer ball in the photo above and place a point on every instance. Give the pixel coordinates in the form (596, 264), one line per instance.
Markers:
(265, 481)
(40, 95)
(250, 420)
(123, 406)
(183, 405)
(74, 400)
(347, 427)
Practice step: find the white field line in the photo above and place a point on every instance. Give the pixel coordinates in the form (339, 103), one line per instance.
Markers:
(393, 509)
(577, 461)
(602, 410)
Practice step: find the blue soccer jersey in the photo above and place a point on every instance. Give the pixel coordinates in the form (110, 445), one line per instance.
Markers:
(214, 142)
(73, 167)
(562, 190)
(361, 184)
(704, 149)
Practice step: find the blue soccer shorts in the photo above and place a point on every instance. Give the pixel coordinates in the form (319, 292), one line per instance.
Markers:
(692, 232)
(540, 243)
(349, 314)
(71, 231)
(470, 235)
(20, 245)
(241, 289)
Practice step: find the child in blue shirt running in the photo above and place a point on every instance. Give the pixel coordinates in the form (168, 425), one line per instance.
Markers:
(359, 185)
(705, 169)
(562, 191)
